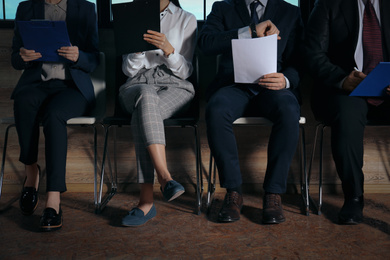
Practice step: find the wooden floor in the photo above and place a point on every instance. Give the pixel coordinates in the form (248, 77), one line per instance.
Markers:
(178, 233)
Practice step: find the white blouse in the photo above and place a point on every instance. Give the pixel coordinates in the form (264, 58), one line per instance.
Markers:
(180, 29)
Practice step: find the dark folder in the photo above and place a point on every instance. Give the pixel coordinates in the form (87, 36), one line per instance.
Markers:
(131, 21)
(45, 37)
(375, 83)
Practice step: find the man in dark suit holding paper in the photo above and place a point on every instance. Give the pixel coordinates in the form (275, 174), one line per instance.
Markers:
(345, 40)
(52, 93)
(274, 96)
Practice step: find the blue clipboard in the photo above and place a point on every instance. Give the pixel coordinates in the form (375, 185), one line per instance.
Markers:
(375, 83)
(45, 37)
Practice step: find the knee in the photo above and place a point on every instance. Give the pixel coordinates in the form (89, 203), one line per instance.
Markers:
(146, 94)
(53, 115)
(288, 110)
(217, 111)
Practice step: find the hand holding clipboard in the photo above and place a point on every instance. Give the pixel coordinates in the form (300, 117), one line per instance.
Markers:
(46, 41)
(376, 83)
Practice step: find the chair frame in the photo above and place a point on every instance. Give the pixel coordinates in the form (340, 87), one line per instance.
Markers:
(182, 122)
(262, 121)
(98, 80)
(320, 132)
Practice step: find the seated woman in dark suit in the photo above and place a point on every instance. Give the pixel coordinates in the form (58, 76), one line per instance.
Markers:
(155, 90)
(51, 93)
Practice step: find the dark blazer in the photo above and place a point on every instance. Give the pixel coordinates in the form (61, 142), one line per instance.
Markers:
(331, 39)
(82, 29)
(222, 25)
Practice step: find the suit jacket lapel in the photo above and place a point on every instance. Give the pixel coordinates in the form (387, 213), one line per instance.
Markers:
(385, 22)
(270, 10)
(350, 10)
(72, 14)
(242, 11)
(39, 10)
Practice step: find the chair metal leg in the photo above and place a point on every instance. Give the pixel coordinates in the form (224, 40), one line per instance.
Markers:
(320, 171)
(199, 179)
(101, 204)
(4, 155)
(304, 181)
(211, 181)
(320, 127)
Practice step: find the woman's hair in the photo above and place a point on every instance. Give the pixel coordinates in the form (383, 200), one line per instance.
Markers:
(176, 2)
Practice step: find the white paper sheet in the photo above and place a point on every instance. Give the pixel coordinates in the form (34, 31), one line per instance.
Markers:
(253, 58)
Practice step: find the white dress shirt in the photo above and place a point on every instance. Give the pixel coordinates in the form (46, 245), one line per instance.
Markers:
(179, 28)
(53, 70)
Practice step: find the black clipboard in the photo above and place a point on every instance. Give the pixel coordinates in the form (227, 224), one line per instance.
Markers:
(131, 21)
(45, 37)
(375, 83)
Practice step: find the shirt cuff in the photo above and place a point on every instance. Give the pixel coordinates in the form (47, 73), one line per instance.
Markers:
(243, 33)
(287, 82)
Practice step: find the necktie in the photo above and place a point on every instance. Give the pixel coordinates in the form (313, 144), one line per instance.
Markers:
(372, 44)
(254, 15)
(255, 19)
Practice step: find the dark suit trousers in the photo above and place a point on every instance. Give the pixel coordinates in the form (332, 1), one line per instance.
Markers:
(230, 103)
(51, 103)
(347, 117)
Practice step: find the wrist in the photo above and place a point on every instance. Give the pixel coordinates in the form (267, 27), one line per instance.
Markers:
(253, 30)
(168, 54)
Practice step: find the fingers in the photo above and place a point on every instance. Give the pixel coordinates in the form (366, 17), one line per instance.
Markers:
(29, 55)
(69, 52)
(358, 74)
(273, 81)
(159, 40)
(267, 28)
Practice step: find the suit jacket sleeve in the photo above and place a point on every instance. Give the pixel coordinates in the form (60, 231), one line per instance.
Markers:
(214, 39)
(88, 45)
(317, 47)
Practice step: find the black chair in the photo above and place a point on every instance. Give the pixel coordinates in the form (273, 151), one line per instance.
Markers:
(120, 119)
(262, 121)
(98, 78)
(320, 132)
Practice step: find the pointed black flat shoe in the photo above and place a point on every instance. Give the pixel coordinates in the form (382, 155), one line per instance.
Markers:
(50, 220)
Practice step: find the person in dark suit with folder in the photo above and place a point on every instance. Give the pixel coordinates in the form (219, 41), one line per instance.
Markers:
(51, 93)
(274, 97)
(345, 40)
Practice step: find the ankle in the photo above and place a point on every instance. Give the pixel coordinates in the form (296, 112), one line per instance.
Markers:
(145, 206)
(32, 176)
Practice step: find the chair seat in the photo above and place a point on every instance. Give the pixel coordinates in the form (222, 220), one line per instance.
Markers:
(84, 120)
(126, 120)
(260, 121)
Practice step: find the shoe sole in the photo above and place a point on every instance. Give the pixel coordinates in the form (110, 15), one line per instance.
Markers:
(349, 222)
(127, 225)
(50, 228)
(227, 220)
(273, 221)
(177, 194)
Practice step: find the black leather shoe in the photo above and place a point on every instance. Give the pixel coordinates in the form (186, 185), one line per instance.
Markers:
(352, 211)
(29, 198)
(50, 220)
(231, 207)
(272, 209)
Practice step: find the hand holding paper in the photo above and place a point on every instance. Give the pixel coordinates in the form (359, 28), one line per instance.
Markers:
(254, 58)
